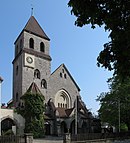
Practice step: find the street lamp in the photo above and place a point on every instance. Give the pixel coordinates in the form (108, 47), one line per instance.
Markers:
(76, 115)
(1, 80)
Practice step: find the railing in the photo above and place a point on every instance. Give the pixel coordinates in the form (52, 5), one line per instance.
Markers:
(95, 136)
(12, 139)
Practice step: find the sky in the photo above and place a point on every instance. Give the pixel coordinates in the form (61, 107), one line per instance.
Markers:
(76, 47)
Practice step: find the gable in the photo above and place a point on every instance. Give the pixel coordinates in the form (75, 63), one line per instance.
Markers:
(64, 74)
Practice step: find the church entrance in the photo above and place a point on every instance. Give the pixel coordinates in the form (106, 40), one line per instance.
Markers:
(72, 127)
(84, 128)
(63, 127)
(47, 128)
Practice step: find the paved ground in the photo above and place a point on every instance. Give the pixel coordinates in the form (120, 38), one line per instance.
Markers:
(49, 139)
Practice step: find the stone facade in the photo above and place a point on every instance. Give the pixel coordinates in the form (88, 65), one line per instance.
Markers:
(61, 80)
(32, 64)
(23, 74)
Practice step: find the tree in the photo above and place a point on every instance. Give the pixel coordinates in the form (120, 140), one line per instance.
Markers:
(115, 17)
(32, 111)
(118, 99)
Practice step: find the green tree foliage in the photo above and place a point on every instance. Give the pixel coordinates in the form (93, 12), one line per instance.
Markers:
(118, 99)
(114, 15)
(33, 113)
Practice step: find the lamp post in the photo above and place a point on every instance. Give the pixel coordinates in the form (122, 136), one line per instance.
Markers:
(1, 80)
(119, 116)
(76, 115)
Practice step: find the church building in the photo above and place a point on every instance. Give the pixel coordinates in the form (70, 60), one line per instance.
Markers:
(32, 70)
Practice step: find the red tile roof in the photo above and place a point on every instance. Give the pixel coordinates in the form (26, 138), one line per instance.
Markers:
(69, 111)
(34, 89)
(63, 112)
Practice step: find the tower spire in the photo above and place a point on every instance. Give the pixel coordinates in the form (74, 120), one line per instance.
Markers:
(32, 10)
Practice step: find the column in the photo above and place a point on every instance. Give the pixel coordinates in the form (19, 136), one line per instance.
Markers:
(1, 80)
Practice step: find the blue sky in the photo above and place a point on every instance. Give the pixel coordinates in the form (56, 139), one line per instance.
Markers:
(76, 47)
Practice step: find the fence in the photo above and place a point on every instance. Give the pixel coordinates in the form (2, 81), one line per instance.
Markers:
(27, 138)
(96, 136)
(12, 139)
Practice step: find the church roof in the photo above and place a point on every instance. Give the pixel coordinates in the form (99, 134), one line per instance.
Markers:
(33, 27)
(69, 111)
(62, 112)
(34, 89)
(81, 106)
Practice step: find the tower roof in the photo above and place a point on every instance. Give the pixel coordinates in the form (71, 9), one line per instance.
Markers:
(33, 27)
(34, 89)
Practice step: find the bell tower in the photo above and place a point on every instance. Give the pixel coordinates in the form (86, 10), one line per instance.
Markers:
(32, 61)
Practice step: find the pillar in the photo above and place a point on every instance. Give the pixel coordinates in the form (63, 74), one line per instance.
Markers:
(28, 138)
(1, 80)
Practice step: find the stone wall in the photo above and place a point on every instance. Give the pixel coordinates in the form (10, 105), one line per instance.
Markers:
(104, 141)
(108, 141)
(17, 118)
(58, 82)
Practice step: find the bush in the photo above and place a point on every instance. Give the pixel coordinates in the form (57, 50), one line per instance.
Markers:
(8, 132)
(124, 127)
(33, 113)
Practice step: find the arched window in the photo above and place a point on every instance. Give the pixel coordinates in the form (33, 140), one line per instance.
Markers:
(43, 84)
(42, 47)
(65, 76)
(16, 50)
(60, 74)
(37, 74)
(62, 99)
(17, 69)
(31, 43)
(21, 43)
(17, 97)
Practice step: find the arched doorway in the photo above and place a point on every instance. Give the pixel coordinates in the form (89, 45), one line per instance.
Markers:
(7, 124)
(47, 128)
(63, 127)
(72, 127)
(84, 128)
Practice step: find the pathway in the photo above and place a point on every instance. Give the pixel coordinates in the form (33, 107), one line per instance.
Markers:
(49, 139)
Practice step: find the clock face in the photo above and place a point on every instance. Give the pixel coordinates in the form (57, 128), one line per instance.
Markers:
(29, 60)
